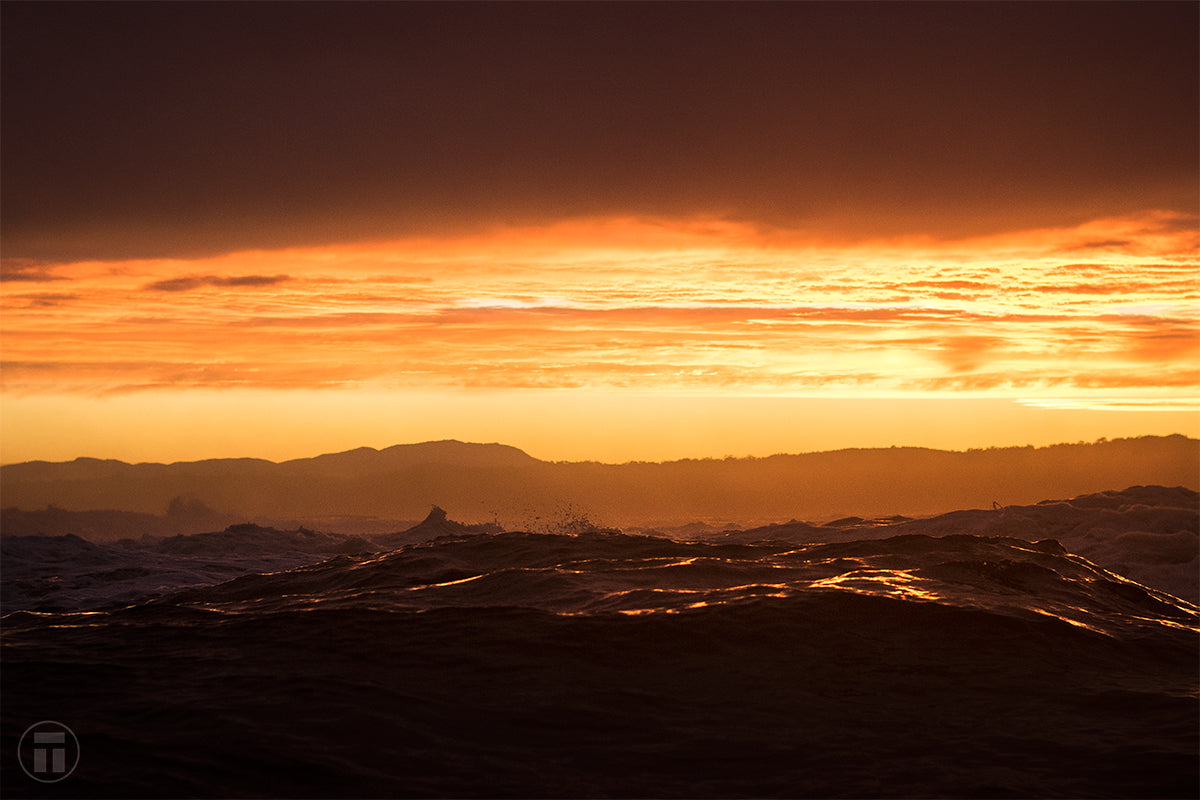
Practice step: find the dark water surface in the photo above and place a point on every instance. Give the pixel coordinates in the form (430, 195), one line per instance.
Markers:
(597, 665)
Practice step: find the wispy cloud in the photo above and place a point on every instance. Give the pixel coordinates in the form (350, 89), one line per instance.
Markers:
(27, 270)
(1185, 404)
(46, 299)
(622, 304)
(186, 284)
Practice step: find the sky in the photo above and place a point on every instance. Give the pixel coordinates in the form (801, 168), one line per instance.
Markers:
(595, 231)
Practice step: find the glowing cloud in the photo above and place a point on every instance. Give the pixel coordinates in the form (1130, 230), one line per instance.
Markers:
(703, 306)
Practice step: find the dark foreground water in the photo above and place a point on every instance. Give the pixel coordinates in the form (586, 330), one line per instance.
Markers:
(524, 665)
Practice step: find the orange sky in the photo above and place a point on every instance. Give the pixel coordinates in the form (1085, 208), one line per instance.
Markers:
(607, 231)
(610, 333)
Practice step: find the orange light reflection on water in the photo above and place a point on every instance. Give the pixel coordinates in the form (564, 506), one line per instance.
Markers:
(879, 582)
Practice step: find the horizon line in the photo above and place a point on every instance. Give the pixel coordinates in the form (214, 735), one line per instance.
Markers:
(727, 457)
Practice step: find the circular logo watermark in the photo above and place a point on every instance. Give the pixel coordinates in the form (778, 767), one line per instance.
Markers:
(48, 751)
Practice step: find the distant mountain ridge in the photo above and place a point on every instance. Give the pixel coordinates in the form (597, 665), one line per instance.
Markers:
(361, 460)
(500, 483)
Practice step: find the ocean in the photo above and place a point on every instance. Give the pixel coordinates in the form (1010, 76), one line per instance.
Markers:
(601, 664)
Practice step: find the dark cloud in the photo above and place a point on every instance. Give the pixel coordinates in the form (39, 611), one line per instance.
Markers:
(47, 299)
(1106, 244)
(187, 284)
(1178, 345)
(176, 285)
(153, 129)
(26, 269)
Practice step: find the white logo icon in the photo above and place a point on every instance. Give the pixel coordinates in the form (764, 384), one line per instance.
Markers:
(48, 751)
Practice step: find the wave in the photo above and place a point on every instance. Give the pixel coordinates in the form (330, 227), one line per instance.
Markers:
(1144, 533)
(616, 573)
(612, 665)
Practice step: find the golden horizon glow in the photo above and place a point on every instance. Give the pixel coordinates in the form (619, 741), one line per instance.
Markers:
(1102, 316)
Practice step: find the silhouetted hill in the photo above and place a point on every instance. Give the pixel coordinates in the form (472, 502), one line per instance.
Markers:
(497, 483)
(369, 461)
